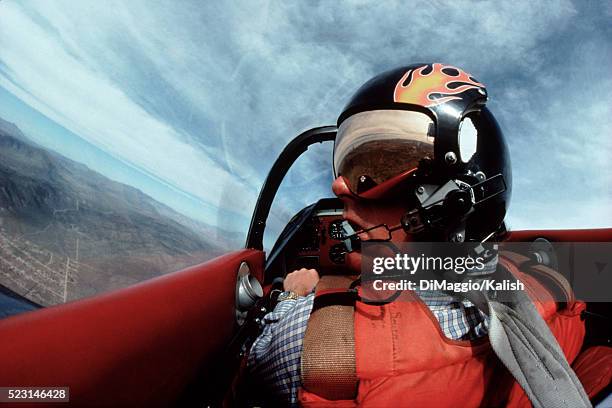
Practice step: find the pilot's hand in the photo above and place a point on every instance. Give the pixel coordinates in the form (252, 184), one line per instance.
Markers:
(302, 281)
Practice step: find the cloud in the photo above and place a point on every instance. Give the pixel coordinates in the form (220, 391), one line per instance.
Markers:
(204, 95)
(588, 214)
(89, 103)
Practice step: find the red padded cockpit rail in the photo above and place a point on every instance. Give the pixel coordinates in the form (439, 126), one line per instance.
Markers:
(576, 235)
(138, 346)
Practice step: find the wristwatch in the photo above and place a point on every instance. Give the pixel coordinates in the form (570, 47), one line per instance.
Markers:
(287, 295)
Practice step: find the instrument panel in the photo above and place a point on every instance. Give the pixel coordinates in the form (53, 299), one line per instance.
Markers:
(318, 244)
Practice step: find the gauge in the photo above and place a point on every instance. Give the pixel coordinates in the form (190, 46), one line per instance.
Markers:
(337, 253)
(336, 231)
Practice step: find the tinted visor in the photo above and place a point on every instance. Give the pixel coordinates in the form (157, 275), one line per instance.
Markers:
(375, 147)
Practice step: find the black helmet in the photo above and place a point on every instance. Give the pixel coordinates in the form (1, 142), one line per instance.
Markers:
(440, 135)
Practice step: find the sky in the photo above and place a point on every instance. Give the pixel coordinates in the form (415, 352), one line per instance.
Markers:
(192, 101)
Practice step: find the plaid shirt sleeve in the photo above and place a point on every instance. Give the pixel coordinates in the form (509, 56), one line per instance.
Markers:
(275, 355)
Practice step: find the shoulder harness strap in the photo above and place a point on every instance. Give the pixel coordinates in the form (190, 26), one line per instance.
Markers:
(328, 352)
(523, 342)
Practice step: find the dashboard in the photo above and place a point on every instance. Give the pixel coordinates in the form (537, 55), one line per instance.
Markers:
(312, 239)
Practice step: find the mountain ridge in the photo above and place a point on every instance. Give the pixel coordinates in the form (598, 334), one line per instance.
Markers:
(55, 210)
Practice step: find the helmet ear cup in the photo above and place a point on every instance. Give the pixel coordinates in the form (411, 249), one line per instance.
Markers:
(490, 159)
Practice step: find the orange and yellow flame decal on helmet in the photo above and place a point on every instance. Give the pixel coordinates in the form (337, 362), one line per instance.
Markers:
(421, 87)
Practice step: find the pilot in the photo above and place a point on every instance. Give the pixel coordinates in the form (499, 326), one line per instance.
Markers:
(417, 157)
